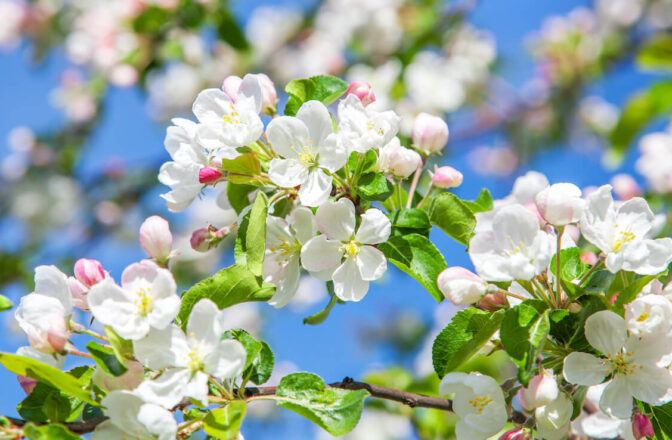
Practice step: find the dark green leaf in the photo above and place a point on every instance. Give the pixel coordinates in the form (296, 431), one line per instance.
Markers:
(255, 236)
(450, 214)
(567, 328)
(630, 291)
(323, 88)
(333, 409)
(106, 359)
(240, 247)
(407, 221)
(224, 423)
(656, 54)
(48, 432)
(571, 266)
(228, 28)
(227, 287)
(661, 419)
(91, 412)
(260, 360)
(47, 404)
(238, 195)
(415, 255)
(482, 203)
(468, 331)
(578, 397)
(374, 187)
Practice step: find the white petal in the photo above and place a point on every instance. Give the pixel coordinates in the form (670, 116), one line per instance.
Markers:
(336, 219)
(375, 227)
(285, 277)
(606, 331)
(226, 361)
(204, 325)
(348, 282)
(648, 257)
(371, 263)
(52, 282)
(320, 253)
(584, 369)
(168, 389)
(651, 384)
(158, 421)
(287, 173)
(316, 117)
(162, 348)
(122, 408)
(108, 431)
(209, 104)
(287, 135)
(111, 305)
(315, 189)
(303, 222)
(331, 154)
(616, 399)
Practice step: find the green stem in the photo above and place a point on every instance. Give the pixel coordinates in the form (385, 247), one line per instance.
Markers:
(425, 198)
(558, 289)
(397, 190)
(590, 272)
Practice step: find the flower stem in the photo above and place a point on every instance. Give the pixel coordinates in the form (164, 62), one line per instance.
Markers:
(80, 329)
(558, 289)
(397, 190)
(590, 272)
(414, 184)
(425, 198)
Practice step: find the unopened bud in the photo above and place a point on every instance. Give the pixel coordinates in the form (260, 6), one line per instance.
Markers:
(207, 175)
(641, 427)
(362, 90)
(200, 239)
(430, 133)
(460, 286)
(269, 96)
(89, 272)
(493, 302)
(78, 293)
(560, 204)
(589, 258)
(398, 160)
(156, 238)
(515, 434)
(447, 177)
(27, 383)
(541, 391)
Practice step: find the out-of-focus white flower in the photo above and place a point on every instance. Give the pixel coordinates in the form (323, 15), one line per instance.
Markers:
(498, 161)
(621, 13)
(560, 204)
(430, 133)
(432, 83)
(461, 286)
(625, 187)
(598, 114)
(649, 314)
(13, 14)
(655, 163)
(397, 160)
(172, 89)
(134, 375)
(361, 129)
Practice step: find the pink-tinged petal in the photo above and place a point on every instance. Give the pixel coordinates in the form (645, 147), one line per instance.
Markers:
(315, 189)
(287, 173)
(156, 238)
(348, 282)
(375, 227)
(584, 369)
(616, 399)
(89, 272)
(317, 119)
(143, 271)
(320, 253)
(606, 331)
(371, 263)
(288, 136)
(52, 282)
(336, 219)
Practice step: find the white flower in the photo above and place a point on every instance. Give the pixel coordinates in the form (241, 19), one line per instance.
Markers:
(188, 359)
(147, 298)
(598, 424)
(131, 417)
(553, 419)
(649, 314)
(461, 286)
(284, 239)
(622, 234)
(560, 204)
(344, 256)
(478, 401)
(226, 124)
(310, 150)
(361, 129)
(397, 160)
(636, 364)
(655, 163)
(514, 248)
(256, 85)
(540, 391)
(44, 314)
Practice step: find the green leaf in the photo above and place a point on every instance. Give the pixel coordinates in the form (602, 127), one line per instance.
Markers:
(323, 88)
(523, 334)
(567, 328)
(450, 214)
(374, 187)
(656, 54)
(106, 359)
(228, 28)
(628, 294)
(407, 221)
(415, 255)
(48, 432)
(468, 331)
(255, 236)
(482, 203)
(244, 169)
(638, 112)
(571, 266)
(578, 397)
(123, 348)
(5, 303)
(224, 423)
(259, 361)
(44, 373)
(250, 344)
(91, 412)
(661, 419)
(229, 286)
(240, 247)
(335, 410)
(369, 160)
(238, 195)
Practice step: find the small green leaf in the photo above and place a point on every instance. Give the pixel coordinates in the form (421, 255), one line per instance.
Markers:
(224, 423)
(255, 236)
(244, 169)
(629, 293)
(417, 256)
(369, 160)
(240, 247)
(5, 303)
(482, 203)
(656, 54)
(407, 221)
(323, 88)
(48, 432)
(238, 195)
(578, 397)
(106, 359)
(374, 187)
(468, 331)
(123, 348)
(227, 287)
(321, 316)
(333, 409)
(228, 28)
(450, 214)
(571, 266)
(44, 373)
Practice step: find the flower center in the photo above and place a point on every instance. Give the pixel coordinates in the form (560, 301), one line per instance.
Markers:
(643, 317)
(350, 249)
(624, 237)
(307, 154)
(371, 126)
(143, 301)
(621, 364)
(194, 358)
(286, 249)
(233, 117)
(480, 402)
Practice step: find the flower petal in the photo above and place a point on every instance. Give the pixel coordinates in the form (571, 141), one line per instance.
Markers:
(303, 222)
(162, 348)
(285, 277)
(348, 282)
(375, 227)
(606, 331)
(651, 384)
(158, 421)
(320, 253)
(287, 134)
(315, 189)
(168, 389)
(111, 305)
(226, 361)
(52, 282)
(371, 263)
(584, 369)
(331, 154)
(336, 219)
(616, 399)
(316, 118)
(287, 173)
(204, 325)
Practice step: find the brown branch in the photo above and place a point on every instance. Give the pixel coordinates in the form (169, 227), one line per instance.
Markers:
(75, 427)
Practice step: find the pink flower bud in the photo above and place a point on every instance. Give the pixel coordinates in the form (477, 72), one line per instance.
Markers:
(207, 175)
(447, 177)
(430, 133)
(200, 239)
(560, 204)
(461, 286)
(362, 90)
(515, 434)
(625, 186)
(269, 96)
(155, 237)
(589, 258)
(78, 293)
(89, 272)
(541, 391)
(27, 383)
(231, 86)
(51, 335)
(641, 427)
(398, 160)
(493, 302)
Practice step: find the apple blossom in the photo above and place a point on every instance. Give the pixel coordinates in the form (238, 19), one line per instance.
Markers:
(310, 152)
(188, 359)
(131, 416)
(636, 365)
(649, 314)
(208, 175)
(362, 90)
(542, 390)
(147, 298)
(78, 292)
(89, 272)
(430, 133)
(361, 129)
(156, 238)
(515, 247)
(560, 204)
(461, 286)
(343, 255)
(478, 401)
(399, 161)
(553, 419)
(447, 177)
(284, 240)
(256, 85)
(641, 427)
(622, 234)
(599, 424)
